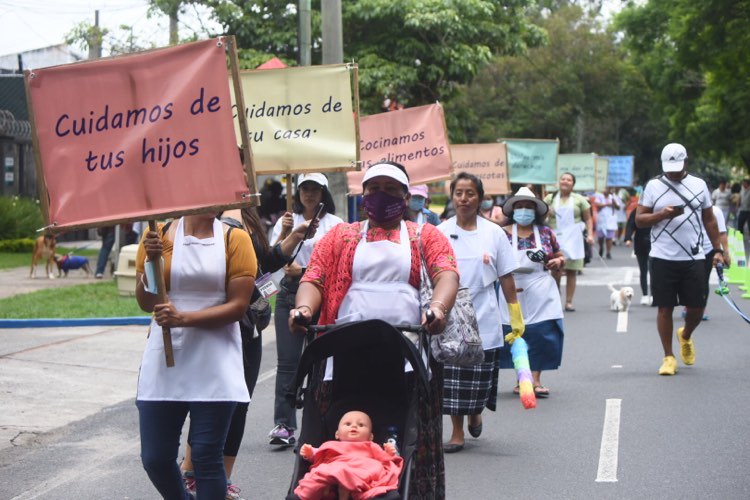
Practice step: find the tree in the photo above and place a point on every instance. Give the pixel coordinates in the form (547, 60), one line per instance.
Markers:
(416, 51)
(578, 88)
(693, 54)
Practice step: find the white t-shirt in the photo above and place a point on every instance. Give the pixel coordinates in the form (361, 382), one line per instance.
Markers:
(680, 238)
(327, 222)
(483, 255)
(606, 218)
(707, 246)
(721, 198)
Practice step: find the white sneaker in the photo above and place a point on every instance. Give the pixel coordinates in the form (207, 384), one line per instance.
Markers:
(646, 300)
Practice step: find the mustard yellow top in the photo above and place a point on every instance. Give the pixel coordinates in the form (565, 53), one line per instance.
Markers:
(241, 260)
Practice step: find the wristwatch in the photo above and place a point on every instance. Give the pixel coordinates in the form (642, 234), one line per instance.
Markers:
(718, 250)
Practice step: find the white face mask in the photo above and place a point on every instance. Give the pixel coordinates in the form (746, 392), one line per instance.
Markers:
(524, 216)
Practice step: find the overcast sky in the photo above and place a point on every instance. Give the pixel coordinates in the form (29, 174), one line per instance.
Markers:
(33, 24)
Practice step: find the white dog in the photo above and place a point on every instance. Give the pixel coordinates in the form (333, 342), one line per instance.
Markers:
(619, 300)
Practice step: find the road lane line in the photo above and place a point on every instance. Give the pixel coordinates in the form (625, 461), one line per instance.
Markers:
(608, 452)
(622, 322)
(266, 375)
(628, 276)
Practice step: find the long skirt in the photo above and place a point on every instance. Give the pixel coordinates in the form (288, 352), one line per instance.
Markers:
(467, 390)
(545, 341)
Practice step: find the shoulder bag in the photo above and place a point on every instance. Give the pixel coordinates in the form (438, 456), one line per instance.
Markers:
(460, 343)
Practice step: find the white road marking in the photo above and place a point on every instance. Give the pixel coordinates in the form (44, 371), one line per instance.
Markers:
(622, 322)
(616, 366)
(628, 276)
(266, 375)
(608, 452)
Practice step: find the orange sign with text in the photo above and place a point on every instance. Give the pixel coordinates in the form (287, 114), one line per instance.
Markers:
(489, 162)
(415, 137)
(136, 137)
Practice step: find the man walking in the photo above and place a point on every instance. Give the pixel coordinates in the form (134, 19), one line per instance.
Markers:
(677, 207)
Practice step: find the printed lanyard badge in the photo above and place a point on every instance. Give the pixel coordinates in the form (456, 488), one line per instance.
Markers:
(266, 286)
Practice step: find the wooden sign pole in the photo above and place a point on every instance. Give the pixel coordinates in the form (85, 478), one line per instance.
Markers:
(161, 290)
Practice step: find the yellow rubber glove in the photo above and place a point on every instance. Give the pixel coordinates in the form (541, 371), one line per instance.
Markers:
(516, 323)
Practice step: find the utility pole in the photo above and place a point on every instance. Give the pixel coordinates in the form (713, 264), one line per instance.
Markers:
(333, 53)
(95, 39)
(304, 33)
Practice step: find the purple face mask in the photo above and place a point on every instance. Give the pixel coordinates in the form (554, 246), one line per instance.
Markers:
(383, 208)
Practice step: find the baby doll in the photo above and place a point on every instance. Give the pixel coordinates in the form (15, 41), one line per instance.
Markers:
(358, 467)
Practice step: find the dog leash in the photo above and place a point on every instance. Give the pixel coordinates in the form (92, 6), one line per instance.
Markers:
(723, 291)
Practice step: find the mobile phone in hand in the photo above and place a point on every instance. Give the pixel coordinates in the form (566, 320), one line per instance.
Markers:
(319, 211)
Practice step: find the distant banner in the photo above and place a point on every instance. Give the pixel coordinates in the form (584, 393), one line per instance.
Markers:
(532, 161)
(583, 166)
(136, 137)
(414, 137)
(620, 172)
(489, 162)
(602, 171)
(301, 119)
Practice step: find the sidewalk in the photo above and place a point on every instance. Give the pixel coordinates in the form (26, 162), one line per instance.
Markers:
(54, 376)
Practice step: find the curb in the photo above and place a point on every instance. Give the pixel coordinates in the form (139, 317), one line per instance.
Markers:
(59, 322)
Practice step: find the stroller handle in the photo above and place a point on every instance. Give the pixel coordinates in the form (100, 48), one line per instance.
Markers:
(407, 327)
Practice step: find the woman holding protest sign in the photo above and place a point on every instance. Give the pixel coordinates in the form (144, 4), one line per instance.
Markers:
(569, 214)
(209, 274)
(312, 191)
(270, 259)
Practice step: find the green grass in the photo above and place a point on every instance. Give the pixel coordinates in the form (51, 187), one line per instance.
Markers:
(11, 260)
(97, 300)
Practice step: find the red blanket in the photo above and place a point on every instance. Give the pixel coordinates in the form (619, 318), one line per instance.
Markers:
(363, 468)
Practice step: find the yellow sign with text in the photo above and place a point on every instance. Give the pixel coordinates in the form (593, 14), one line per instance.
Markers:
(301, 119)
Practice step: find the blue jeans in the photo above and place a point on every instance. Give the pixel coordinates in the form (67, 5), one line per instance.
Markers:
(288, 354)
(108, 241)
(161, 424)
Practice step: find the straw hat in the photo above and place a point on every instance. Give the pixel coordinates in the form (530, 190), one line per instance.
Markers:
(524, 194)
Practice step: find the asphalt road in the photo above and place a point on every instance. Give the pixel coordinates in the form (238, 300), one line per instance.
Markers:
(611, 429)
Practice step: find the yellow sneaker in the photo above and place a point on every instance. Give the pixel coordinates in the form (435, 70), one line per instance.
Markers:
(687, 350)
(668, 366)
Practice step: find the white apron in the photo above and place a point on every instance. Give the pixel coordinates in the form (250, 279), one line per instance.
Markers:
(569, 233)
(207, 362)
(539, 297)
(380, 286)
(478, 271)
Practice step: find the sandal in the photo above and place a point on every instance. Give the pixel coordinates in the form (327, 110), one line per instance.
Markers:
(540, 391)
(569, 308)
(517, 390)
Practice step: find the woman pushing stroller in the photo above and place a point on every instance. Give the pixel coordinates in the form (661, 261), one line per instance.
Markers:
(371, 270)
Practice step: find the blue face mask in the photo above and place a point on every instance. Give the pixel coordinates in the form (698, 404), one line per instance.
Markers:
(524, 216)
(486, 204)
(416, 203)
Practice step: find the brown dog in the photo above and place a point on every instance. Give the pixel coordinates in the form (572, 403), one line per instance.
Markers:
(44, 249)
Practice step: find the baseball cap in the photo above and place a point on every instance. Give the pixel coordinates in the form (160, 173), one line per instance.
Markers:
(673, 157)
(316, 178)
(419, 190)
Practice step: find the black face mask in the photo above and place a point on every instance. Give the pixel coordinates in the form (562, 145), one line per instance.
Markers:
(384, 208)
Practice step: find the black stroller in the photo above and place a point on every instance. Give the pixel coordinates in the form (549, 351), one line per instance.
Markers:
(368, 375)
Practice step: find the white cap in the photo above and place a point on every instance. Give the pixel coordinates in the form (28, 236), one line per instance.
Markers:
(387, 170)
(316, 178)
(673, 157)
